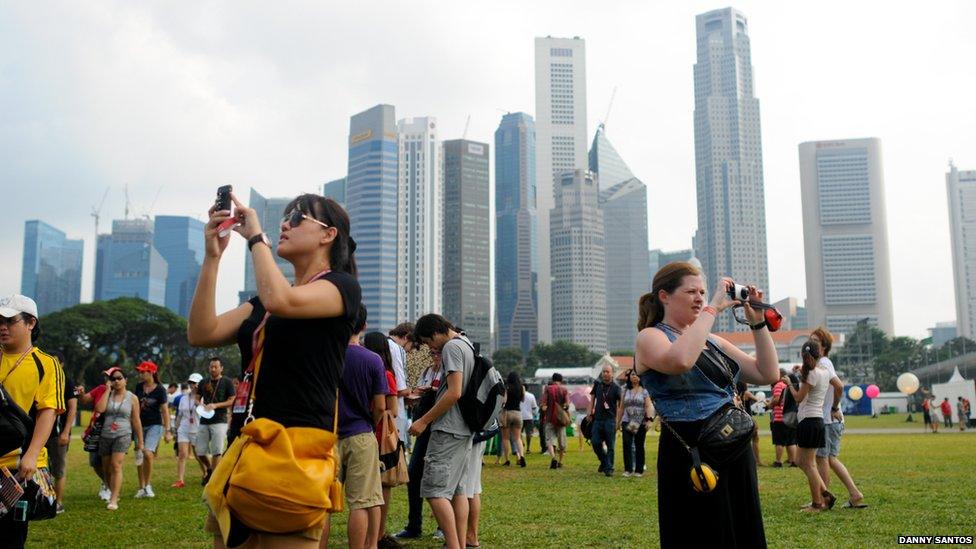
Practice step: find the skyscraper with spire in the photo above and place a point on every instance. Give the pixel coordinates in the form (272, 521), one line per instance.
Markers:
(731, 236)
(623, 200)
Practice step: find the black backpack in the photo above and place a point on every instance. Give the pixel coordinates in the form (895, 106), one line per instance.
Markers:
(481, 400)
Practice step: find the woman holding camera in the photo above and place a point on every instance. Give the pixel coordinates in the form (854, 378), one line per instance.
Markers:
(292, 337)
(634, 416)
(691, 376)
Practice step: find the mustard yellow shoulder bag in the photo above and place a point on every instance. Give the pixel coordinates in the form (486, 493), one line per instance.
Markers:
(273, 478)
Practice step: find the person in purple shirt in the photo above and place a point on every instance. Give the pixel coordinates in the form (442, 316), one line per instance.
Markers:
(362, 389)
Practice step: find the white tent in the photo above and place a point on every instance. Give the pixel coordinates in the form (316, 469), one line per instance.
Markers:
(956, 387)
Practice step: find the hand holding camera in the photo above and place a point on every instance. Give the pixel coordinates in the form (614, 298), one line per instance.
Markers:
(722, 297)
(758, 314)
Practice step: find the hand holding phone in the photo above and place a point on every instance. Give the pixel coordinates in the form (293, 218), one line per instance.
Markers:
(223, 203)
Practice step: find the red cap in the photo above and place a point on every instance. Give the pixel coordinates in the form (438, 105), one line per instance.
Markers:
(147, 366)
(112, 370)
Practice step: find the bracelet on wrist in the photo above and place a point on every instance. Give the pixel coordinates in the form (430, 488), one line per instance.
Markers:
(757, 327)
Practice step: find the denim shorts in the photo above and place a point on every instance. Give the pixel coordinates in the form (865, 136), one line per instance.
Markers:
(831, 447)
(151, 436)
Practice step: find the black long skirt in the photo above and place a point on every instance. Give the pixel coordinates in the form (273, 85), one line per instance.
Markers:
(729, 516)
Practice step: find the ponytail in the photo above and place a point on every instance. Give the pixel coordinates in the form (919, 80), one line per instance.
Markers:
(810, 353)
(650, 310)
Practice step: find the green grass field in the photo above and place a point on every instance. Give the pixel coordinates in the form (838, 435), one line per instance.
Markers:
(915, 485)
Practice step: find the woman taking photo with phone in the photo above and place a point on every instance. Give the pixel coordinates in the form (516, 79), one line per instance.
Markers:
(691, 378)
(120, 409)
(292, 337)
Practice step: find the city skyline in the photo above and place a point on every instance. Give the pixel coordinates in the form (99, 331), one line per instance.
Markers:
(228, 133)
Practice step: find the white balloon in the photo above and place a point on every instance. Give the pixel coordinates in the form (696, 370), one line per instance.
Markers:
(908, 383)
(855, 392)
(760, 396)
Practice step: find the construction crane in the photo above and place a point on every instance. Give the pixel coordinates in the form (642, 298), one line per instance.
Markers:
(466, 124)
(97, 212)
(152, 205)
(610, 106)
(127, 201)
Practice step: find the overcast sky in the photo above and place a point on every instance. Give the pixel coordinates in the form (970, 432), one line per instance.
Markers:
(178, 98)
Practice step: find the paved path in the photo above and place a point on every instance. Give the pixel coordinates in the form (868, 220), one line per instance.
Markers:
(894, 431)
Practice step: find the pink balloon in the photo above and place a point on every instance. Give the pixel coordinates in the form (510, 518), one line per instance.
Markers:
(872, 391)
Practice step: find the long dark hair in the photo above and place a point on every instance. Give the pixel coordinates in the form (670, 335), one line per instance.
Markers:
(328, 211)
(514, 390)
(376, 342)
(630, 384)
(650, 311)
(810, 352)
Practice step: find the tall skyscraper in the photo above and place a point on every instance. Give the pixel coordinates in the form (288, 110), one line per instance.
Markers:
(179, 240)
(579, 301)
(51, 273)
(961, 188)
(467, 238)
(130, 264)
(102, 245)
(421, 219)
(336, 190)
(845, 234)
(605, 161)
(516, 246)
(731, 237)
(270, 211)
(627, 273)
(561, 136)
(371, 200)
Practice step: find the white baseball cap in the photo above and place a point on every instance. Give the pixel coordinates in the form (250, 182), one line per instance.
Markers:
(13, 305)
(195, 377)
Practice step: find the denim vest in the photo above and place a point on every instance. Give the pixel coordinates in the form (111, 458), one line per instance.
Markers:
(690, 396)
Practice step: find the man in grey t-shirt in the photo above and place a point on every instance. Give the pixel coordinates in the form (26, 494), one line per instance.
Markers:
(445, 467)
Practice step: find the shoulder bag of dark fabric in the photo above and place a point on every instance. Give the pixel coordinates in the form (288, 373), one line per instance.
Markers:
(789, 406)
(40, 496)
(15, 425)
(586, 427)
(727, 432)
(94, 435)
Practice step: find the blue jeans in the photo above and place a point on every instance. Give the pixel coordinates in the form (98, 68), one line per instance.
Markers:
(604, 430)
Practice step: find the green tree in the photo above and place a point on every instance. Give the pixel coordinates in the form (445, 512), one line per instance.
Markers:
(123, 332)
(509, 360)
(622, 352)
(560, 354)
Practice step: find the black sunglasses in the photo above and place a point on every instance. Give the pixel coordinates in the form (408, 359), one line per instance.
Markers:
(295, 218)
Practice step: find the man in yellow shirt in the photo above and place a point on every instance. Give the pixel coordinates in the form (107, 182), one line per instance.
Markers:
(35, 381)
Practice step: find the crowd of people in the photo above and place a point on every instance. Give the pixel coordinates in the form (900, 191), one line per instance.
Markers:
(314, 376)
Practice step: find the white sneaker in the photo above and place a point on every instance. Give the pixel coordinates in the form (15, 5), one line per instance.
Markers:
(112, 506)
(638, 474)
(627, 473)
(104, 494)
(141, 493)
(149, 491)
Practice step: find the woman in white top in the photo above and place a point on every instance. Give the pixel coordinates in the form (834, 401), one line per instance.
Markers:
(810, 431)
(187, 423)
